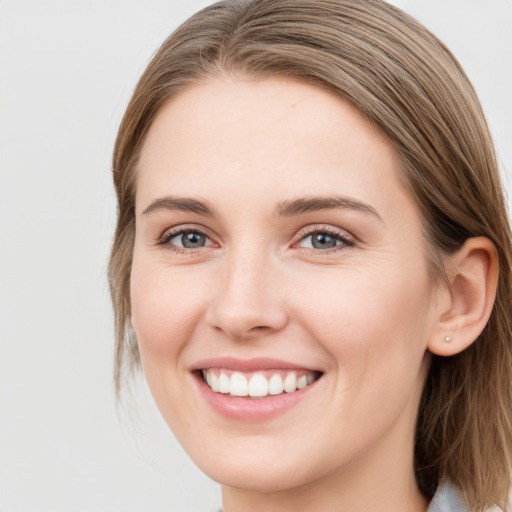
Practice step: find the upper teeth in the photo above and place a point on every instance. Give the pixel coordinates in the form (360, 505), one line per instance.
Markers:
(256, 385)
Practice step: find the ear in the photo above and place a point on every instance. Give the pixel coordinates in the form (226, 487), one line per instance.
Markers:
(465, 303)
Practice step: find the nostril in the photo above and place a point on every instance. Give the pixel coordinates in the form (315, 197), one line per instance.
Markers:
(259, 328)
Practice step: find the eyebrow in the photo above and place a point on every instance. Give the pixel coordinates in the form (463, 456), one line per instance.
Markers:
(287, 208)
(312, 204)
(184, 204)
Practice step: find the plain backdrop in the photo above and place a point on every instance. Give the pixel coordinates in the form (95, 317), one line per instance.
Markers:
(67, 69)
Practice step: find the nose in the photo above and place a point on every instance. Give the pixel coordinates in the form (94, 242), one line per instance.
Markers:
(248, 300)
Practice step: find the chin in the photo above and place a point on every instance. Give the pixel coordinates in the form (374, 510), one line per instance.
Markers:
(267, 478)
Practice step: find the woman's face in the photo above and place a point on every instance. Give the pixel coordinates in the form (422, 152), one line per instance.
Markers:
(276, 247)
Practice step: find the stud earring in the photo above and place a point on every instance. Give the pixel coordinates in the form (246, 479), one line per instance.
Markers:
(448, 339)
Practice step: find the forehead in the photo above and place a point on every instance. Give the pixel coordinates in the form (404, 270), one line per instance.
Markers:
(268, 137)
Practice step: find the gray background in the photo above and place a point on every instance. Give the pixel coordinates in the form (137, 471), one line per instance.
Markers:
(67, 69)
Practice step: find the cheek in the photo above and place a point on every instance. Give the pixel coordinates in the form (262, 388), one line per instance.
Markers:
(369, 318)
(374, 329)
(165, 310)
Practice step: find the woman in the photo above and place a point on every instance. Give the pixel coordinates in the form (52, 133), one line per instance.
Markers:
(312, 260)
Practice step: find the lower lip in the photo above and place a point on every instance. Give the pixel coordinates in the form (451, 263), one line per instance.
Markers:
(251, 410)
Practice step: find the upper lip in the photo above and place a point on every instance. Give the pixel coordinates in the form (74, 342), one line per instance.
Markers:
(249, 365)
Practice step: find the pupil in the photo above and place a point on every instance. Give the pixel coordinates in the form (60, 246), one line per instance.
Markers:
(192, 240)
(323, 241)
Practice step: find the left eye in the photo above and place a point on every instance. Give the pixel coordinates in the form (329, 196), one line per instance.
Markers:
(323, 240)
(189, 240)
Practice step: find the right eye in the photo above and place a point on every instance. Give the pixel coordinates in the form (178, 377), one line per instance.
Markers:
(186, 239)
(189, 240)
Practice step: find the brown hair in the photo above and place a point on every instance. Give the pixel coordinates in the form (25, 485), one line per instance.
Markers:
(406, 82)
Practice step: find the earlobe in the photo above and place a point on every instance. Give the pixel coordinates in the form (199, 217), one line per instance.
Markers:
(464, 306)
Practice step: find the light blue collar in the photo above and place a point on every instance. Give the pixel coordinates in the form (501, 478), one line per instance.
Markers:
(447, 499)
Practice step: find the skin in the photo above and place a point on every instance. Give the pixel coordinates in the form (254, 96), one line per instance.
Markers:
(363, 312)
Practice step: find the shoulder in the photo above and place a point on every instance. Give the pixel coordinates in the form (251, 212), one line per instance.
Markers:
(447, 499)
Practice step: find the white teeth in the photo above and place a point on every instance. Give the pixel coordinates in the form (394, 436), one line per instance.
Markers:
(223, 383)
(214, 382)
(238, 385)
(258, 385)
(290, 382)
(275, 385)
(302, 382)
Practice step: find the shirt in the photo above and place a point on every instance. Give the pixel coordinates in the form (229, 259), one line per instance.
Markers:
(447, 499)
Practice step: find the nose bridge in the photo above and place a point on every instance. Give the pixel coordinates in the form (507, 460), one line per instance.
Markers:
(247, 301)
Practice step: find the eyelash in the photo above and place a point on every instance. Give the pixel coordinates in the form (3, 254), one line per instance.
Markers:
(344, 239)
(172, 233)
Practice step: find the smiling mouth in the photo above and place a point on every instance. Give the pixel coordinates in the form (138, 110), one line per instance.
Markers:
(259, 384)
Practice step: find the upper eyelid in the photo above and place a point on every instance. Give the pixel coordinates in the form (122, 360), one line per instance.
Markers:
(319, 228)
(183, 228)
